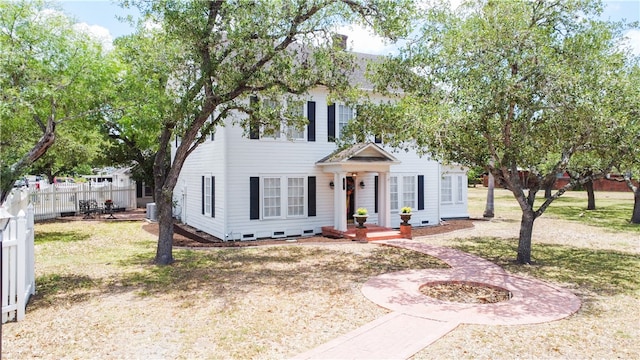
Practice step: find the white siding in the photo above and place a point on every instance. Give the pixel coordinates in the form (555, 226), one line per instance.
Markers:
(412, 164)
(233, 159)
(456, 208)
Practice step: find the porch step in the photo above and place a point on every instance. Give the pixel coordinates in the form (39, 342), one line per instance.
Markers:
(374, 232)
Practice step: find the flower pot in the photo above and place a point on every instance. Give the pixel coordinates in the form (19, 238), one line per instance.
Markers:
(360, 219)
(405, 218)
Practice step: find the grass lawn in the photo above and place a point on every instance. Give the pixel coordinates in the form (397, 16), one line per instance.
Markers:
(99, 296)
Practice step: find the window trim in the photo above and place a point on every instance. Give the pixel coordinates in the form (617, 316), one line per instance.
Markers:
(284, 196)
(283, 133)
(450, 190)
(400, 185)
(338, 118)
(460, 190)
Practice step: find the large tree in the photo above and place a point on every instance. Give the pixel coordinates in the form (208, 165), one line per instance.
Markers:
(142, 100)
(222, 52)
(627, 158)
(50, 74)
(520, 87)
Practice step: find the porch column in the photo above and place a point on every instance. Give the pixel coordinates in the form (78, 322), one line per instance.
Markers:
(340, 201)
(384, 200)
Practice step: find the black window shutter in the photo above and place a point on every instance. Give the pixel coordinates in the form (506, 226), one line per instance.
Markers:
(139, 189)
(202, 195)
(331, 122)
(311, 116)
(254, 198)
(311, 196)
(420, 192)
(213, 196)
(375, 192)
(254, 124)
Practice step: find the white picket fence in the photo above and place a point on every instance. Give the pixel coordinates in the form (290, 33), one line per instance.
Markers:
(64, 199)
(18, 264)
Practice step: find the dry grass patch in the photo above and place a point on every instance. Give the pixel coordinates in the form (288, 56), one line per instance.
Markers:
(100, 296)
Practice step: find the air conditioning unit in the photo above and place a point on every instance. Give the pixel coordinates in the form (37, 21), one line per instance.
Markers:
(152, 214)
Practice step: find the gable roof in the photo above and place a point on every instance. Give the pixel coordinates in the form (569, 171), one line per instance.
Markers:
(361, 153)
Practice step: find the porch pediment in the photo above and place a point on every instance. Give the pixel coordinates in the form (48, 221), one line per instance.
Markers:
(358, 157)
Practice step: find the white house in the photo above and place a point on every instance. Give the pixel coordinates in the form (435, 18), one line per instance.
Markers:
(243, 187)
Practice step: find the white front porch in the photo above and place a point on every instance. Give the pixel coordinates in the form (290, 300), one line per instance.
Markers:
(349, 165)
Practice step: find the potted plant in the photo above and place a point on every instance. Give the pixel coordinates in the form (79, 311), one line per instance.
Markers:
(361, 216)
(405, 215)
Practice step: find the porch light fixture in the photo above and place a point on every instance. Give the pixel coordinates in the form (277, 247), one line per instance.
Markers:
(362, 184)
(332, 185)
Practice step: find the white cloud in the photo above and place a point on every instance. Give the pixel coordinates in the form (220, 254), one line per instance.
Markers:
(98, 33)
(364, 41)
(632, 41)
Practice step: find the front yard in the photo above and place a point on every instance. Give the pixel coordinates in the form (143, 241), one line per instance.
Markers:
(100, 297)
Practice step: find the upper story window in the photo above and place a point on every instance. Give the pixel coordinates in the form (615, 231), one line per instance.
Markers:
(296, 132)
(281, 130)
(271, 130)
(345, 114)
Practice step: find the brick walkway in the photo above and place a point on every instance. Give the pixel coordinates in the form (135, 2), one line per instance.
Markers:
(417, 320)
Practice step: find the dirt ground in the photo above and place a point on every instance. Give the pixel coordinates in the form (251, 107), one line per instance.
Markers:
(186, 236)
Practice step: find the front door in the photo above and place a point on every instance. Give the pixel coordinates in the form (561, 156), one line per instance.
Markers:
(351, 198)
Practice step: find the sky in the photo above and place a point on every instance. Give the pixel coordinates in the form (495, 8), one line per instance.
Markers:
(100, 16)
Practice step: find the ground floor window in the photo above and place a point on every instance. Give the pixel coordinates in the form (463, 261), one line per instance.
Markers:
(403, 191)
(446, 191)
(207, 195)
(460, 198)
(452, 189)
(278, 202)
(295, 198)
(271, 198)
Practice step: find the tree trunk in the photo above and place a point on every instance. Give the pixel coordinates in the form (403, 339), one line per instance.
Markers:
(635, 218)
(164, 251)
(524, 242)
(9, 174)
(489, 207)
(591, 198)
(548, 188)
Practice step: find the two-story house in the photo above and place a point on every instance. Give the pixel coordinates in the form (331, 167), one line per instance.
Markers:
(239, 186)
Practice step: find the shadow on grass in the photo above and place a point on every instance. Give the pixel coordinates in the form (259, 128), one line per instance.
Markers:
(59, 236)
(230, 273)
(56, 288)
(607, 215)
(601, 272)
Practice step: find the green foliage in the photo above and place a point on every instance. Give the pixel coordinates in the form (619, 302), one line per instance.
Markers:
(510, 86)
(61, 236)
(610, 214)
(52, 76)
(208, 57)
